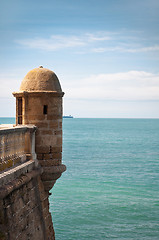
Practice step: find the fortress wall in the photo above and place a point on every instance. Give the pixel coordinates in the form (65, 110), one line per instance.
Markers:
(24, 211)
(24, 205)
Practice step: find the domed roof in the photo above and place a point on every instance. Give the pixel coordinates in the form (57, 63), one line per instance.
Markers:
(40, 79)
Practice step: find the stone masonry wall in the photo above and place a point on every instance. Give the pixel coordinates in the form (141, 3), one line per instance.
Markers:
(49, 133)
(48, 137)
(24, 211)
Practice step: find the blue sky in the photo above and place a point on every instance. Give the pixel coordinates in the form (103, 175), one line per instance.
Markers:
(105, 53)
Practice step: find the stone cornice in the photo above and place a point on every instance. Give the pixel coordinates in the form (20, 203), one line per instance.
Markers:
(38, 93)
(20, 128)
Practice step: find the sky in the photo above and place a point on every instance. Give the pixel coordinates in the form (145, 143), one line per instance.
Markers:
(105, 54)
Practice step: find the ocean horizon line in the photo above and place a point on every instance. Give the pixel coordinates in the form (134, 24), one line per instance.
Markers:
(104, 117)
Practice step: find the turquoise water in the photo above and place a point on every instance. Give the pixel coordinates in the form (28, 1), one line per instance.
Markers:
(5, 120)
(111, 187)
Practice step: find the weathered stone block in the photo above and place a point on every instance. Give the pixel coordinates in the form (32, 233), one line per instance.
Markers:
(51, 162)
(40, 156)
(57, 155)
(46, 132)
(54, 117)
(58, 132)
(53, 124)
(41, 149)
(59, 141)
(36, 117)
(48, 140)
(56, 149)
(42, 124)
(60, 124)
(50, 177)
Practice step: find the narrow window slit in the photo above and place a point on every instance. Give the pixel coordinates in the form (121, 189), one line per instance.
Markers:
(45, 109)
(20, 110)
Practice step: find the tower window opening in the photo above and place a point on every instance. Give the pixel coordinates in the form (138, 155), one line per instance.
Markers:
(45, 109)
(20, 110)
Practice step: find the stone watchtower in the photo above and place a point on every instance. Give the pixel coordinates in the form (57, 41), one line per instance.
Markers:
(39, 102)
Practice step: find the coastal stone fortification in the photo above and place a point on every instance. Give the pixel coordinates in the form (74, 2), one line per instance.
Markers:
(31, 158)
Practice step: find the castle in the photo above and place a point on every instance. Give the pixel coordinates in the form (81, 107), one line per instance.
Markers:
(31, 158)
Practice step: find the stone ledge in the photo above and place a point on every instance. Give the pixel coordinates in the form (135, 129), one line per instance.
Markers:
(15, 172)
(9, 128)
(38, 93)
(55, 169)
(17, 183)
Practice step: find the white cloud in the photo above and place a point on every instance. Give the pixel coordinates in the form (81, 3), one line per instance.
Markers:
(143, 49)
(126, 86)
(53, 43)
(126, 49)
(96, 42)
(98, 37)
(56, 42)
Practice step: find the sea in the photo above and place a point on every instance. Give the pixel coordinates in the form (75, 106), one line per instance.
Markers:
(111, 187)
